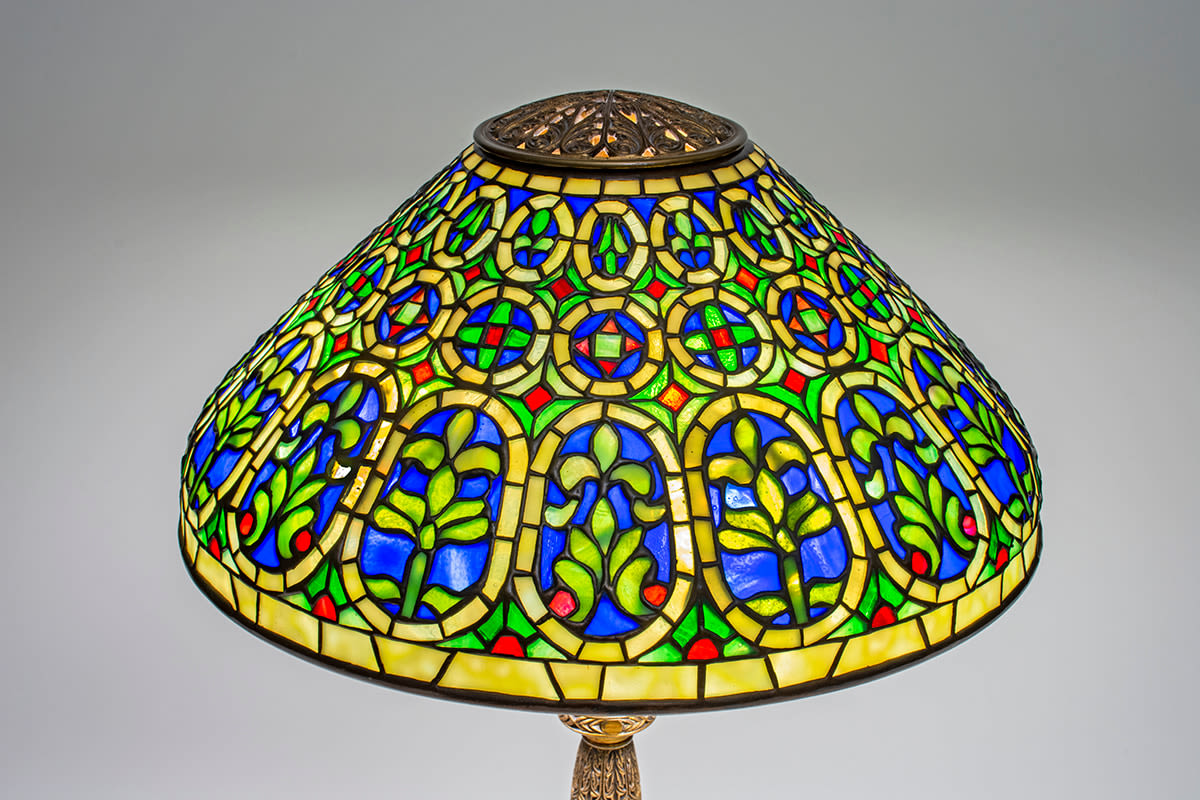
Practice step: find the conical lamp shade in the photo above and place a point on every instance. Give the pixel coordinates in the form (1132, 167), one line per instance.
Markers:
(613, 416)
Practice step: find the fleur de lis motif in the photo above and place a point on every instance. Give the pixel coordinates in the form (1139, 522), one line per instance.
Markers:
(439, 516)
(927, 511)
(604, 550)
(766, 515)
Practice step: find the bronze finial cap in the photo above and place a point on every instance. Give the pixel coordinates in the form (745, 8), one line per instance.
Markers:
(609, 129)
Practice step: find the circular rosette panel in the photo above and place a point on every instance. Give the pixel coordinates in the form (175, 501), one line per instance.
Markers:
(431, 209)
(688, 240)
(786, 556)
(536, 238)
(611, 248)
(359, 286)
(920, 506)
(811, 324)
(496, 336)
(801, 219)
(248, 409)
(719, 339)
(608, 346)
(755, 230)
(411, 316)
(282, 519)
(605, 571)
(965, 411)
(430, 542)
(470, 227)
(864, 295)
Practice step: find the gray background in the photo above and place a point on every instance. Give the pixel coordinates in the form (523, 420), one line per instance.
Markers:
(173, 174)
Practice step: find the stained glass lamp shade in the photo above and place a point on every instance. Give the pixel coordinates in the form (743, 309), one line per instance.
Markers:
(611, 417)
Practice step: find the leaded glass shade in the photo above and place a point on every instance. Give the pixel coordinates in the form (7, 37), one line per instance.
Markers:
(611, 416)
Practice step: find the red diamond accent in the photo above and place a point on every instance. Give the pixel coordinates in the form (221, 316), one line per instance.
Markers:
(879, 351)
(810, 262)
(471, 274)
(795, 381)
(412, 255)
(341, 342)
(563, 603)
(916, 315)
(561, 288)
(422, 372)
(656, 289)
(537, 398)
(747, 278)
(673, 397)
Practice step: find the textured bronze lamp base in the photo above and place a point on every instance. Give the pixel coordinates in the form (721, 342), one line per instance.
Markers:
(606, 764)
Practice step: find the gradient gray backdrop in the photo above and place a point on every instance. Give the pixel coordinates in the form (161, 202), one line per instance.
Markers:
(173, 174)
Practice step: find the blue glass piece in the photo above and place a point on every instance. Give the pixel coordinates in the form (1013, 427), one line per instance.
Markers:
(824, 556)
(644, 206)
(950, 481)
(260, 478)
(957, 419)
(630, 326)
(620, 506)
(952, 564)
(633, 446)
(997, 479)
(903, 453)
(882, 402)
(474, 487)
(554, 495)
(436, 423)
(782, 619)
(769, 429)
(887, 523)
(588, 367)
(714, 503)
(589, 326)
(369, 411)
(579, 205)
(332, 392)
(485, 430)
(628, 366)
(471, 355)
(707, 360)
(694, 322)
(267, 552)
(204, 446)
(1013, 450)
(590, 492)
(413, 481)
(818, 486)
(609, 621)
(739, 497)
(751, 572)
(384, 554)
(425, 613)
(721, 441)
(749, 353)
(324, 454)
(750, 186)
(889, 467)
(493, 498)
(709, 199)
(473, 183)
(481, 314)
(816, 611)
(458, 566)
(552, 544)
(326, 502)
(658, 541)
(837, 334)
(579, 440)
(794, 480)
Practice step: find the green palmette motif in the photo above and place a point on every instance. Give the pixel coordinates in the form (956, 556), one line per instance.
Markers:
(536, 428)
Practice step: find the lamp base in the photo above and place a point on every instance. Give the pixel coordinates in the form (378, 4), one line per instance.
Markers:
(606, 764)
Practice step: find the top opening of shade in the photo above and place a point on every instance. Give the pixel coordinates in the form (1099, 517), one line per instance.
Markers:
(609, 129)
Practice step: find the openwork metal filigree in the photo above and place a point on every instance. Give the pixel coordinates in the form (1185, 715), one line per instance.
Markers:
(608, 129)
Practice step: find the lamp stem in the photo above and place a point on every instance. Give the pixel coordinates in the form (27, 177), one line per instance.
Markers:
(606, 764)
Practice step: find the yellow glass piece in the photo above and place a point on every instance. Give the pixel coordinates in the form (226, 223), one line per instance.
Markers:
(795, 667)
(289, 622)
(977, 603)
(624, 683)
(507, 676)
(405, 660)
(577, 681)
(744, 676)
(351, 646)
(215, 575)
(1014, 574)
(938, 623)
(880, 645)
